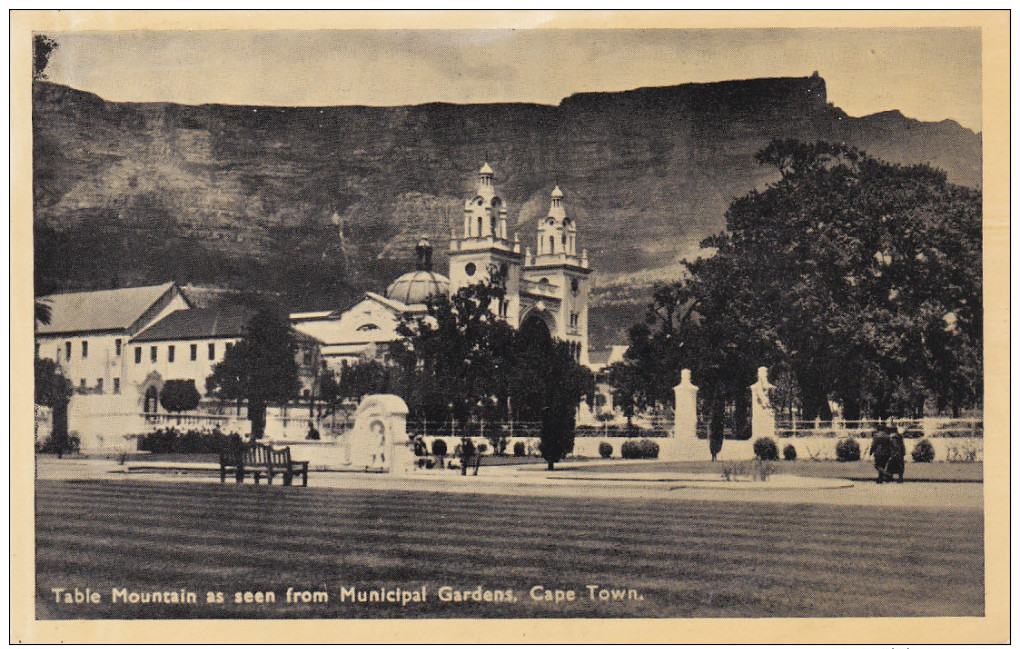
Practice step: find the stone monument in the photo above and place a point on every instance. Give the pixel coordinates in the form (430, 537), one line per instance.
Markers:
(686, 400)
(763, 417)
(685, 445)
(379, 437)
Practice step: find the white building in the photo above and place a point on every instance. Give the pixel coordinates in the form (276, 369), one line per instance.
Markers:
(89, 332)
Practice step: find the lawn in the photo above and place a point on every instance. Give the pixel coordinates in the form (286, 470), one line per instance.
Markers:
(678, 558)
(864, 470)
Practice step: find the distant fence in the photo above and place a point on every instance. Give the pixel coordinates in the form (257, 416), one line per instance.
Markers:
(910, 428)
(534, 429)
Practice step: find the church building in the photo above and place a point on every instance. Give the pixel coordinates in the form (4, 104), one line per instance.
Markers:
(551, 286)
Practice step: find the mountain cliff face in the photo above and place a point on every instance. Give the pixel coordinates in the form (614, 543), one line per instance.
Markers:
(317, 204)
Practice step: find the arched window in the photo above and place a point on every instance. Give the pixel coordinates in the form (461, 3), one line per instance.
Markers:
(479, 226)
(552, 244)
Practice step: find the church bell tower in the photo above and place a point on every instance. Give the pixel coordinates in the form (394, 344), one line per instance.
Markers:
(484, 251)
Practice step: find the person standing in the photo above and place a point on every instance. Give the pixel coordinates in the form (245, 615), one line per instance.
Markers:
(897, 455)
(881, 449)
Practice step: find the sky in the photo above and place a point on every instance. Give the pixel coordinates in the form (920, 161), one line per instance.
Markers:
(928, 74)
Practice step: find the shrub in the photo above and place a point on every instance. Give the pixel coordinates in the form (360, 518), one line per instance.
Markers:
(482, 448)
(439, 448)
(848, 450)
(52, 445)
(519, 449)
(765, 449)
(641, 449)
(605, 449)
(789, 452)
(923, 451)
(179, 395)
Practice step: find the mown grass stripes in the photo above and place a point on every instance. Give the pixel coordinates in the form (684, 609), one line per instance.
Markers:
(688, 558)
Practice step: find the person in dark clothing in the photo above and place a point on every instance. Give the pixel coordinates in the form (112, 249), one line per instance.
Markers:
(897, 456)
(882, 449)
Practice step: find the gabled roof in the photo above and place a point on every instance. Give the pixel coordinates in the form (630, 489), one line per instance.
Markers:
(111, 310)
(191, 324)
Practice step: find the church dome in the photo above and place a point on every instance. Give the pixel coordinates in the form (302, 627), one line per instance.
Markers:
(418, 286)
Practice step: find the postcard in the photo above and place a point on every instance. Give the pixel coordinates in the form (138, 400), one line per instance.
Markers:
(510, 326)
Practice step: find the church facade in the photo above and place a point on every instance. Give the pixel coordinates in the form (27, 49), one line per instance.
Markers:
(550, 286)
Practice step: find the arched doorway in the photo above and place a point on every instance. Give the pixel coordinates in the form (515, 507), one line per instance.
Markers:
(151, 400)
(535, 327)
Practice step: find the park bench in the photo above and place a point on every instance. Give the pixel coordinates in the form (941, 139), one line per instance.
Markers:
(259, 459)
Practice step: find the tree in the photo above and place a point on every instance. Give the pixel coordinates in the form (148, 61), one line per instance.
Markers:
(462, 362)
(453, 361)
(43, 311)
(54, 390)
(625, 381)
(42, 49)
(547, 385)
(260, 368)
(179, 395)
(862, 279)
(367, 377)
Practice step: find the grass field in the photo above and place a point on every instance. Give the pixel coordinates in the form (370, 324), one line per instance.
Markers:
(682, 558)
(914, 472)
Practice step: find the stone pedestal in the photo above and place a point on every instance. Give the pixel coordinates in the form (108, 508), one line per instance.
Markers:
(763, 417)
(379, 437)
(685, 445)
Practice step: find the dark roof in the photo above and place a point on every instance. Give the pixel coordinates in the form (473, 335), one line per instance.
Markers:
(188, 324)
(115, 309)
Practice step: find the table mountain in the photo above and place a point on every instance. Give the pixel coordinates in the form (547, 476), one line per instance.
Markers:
(317, 204)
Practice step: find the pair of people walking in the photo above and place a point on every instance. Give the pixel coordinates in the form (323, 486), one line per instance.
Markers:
(889, 451)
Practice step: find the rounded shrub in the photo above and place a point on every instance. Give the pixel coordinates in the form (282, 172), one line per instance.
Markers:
(848, 450)
(923, 451)
(641, 449)
(439, 447)
(482, 448)
(790, 452)
(765, 449)
(519, 449)
(605, 449)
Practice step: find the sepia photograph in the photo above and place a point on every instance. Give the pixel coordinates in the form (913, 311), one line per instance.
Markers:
(550, 319)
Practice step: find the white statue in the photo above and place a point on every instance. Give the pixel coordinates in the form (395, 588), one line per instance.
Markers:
(763, 417)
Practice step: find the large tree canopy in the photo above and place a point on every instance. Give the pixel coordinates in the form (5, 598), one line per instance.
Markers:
(461, 361)
(859, 278)
(260, 368)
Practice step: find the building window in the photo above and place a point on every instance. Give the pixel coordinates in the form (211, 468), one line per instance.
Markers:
(194, 352)
(226, 347)
(116, 346)
(99, 385)
(67, 350)
(82, 384)
(170, 354)
(138, 355)
(84, 349)
(116, 386)
(470, 269)
(152, 354)
(212, 351)
(37, 349)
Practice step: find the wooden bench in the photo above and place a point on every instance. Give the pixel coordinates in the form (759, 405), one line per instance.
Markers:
(258, 459)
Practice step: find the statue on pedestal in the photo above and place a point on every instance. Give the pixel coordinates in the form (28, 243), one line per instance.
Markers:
(763, 417)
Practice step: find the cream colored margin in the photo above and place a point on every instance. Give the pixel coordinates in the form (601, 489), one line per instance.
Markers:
(994, 628)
